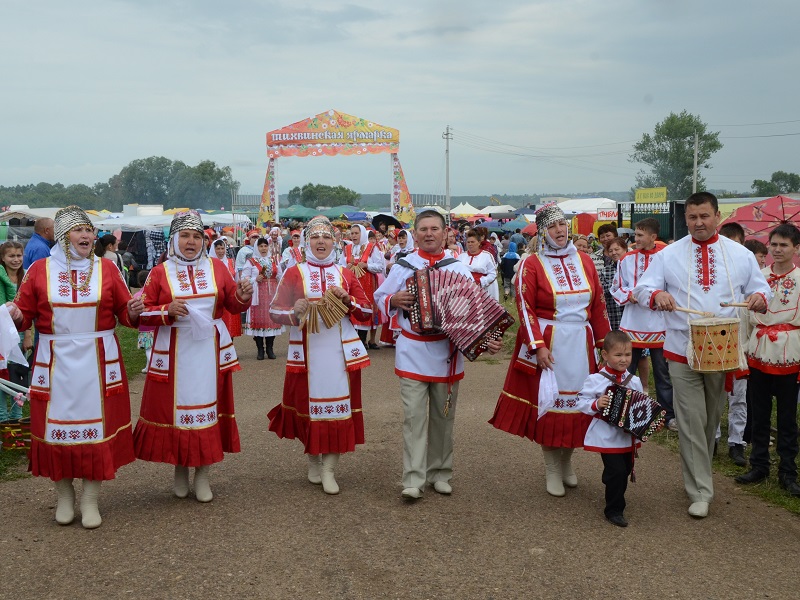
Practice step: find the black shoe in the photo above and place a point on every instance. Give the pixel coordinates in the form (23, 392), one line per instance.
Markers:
(716, 444)
(790, 485)
(374, 346)
(736, 452)
(617, 520)
(260, 345)
(752, 476)
(270, 341)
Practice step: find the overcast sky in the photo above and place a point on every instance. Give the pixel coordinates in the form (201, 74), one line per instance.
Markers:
(88, 86)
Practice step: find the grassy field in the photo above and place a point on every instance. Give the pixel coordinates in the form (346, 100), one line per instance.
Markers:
(12, 463)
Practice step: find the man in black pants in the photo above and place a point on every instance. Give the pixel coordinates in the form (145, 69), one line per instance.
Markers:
(773, 354)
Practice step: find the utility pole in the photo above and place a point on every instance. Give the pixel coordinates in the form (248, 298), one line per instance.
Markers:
(694, 173)
(447, 137)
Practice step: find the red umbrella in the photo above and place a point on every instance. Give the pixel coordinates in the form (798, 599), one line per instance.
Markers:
(529, 229)
(759, 218)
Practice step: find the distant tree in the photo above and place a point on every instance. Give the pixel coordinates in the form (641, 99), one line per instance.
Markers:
(781, 182)
(669, 152)
(313, 195)
(295, 195)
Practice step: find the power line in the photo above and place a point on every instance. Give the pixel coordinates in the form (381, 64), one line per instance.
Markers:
(747, 137)
(758, 124)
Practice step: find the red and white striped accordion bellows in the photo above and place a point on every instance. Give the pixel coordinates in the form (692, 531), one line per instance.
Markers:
(450, 303)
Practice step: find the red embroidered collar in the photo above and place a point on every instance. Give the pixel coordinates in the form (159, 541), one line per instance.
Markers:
(710, 240)
(431, 258)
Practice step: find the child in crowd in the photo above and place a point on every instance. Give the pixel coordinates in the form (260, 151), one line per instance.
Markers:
(614, 445)
(759, 249)
(507, 265)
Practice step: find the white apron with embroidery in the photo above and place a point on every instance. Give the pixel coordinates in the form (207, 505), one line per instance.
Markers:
(197, 354)
(568, 334)
(328, 353)
(75, 387)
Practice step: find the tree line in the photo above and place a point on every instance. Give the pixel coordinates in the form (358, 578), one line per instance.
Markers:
(669, 154)
(153, 180)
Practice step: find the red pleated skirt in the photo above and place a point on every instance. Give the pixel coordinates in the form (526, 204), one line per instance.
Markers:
(517, 412)
(158, 440)
(290, 419)
(97, 461)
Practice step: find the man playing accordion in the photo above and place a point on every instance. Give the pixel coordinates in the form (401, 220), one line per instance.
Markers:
(428, 366)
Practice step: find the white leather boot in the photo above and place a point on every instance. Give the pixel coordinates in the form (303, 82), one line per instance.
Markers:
(65, 507)
(567, 473)
(315, 468)
(552, 471)
(181, 484)
(90, 514)
(202, 486)
(329, 462)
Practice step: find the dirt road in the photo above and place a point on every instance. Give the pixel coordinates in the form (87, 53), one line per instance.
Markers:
(271, 534)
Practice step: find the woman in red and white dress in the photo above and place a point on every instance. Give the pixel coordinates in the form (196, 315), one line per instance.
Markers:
(187, 417)
(263, 269)
(233, 321)
(80, 408)
(481, 264)
(562, 320)
(321, 403)
(366, 261)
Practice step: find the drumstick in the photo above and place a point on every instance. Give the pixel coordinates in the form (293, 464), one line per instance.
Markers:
(726, 304)
(694, 312)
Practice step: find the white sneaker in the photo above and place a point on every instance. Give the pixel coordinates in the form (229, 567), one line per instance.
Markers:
(442, 487)
(412, 493)
(672, 425)
(699, 510)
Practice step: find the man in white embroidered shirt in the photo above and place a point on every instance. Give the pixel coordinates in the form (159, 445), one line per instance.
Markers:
(699, 272)
(429, 370)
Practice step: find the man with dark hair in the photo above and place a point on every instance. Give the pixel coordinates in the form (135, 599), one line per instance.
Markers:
(645, 327)
(773, 355)
(40, 243)
(429, 371)
(699, 272)
(733, 231)
(605, 233)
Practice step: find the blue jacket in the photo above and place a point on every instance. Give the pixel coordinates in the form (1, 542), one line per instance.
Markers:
(36, 248)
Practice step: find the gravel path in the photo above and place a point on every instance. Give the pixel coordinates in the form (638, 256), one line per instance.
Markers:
(271, 534)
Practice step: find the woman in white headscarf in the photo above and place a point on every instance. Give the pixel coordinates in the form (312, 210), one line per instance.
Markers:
(321, 403)
(187, 417)
(366, 260)
(562, 320)
(80, 408)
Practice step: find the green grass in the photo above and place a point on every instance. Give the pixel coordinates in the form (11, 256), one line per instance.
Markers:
(12, 463)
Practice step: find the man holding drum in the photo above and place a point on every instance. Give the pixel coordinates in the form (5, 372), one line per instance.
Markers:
(698, 273)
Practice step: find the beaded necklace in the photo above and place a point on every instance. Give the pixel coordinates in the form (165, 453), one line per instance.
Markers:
(85, 285)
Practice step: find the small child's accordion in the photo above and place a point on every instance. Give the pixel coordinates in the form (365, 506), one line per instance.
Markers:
(451, 303)
(633, 411)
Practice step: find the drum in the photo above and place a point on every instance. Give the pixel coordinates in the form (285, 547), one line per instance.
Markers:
(714, 344)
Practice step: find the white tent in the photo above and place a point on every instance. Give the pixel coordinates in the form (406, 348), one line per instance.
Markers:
(503, 208)
(433, 207)
(465, 210)
(23, 212)
(585, 205)
(137, 223)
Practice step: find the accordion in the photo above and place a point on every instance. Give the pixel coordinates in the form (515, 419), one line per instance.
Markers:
(451, 303)
(634, 412)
